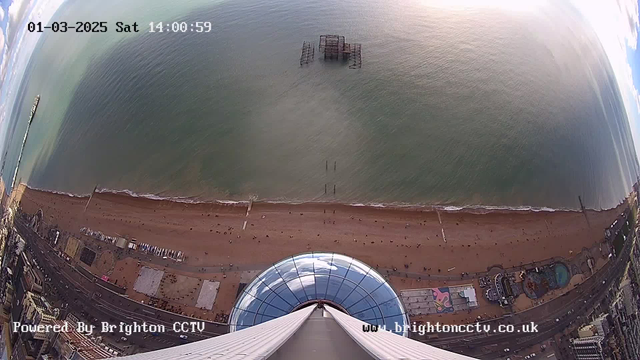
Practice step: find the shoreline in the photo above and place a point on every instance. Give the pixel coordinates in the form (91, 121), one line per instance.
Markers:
(244, 232)
(471, 208)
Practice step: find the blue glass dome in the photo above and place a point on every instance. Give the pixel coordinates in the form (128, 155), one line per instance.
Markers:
(345, 282)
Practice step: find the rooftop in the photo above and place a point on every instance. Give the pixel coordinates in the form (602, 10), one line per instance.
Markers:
(85, 347)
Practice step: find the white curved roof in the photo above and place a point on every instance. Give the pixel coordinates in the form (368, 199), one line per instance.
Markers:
(263, 340)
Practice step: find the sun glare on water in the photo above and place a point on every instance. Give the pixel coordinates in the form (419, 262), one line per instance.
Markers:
(513, 5)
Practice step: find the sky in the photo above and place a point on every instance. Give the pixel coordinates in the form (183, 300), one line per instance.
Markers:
(616, 22)
(17, 46)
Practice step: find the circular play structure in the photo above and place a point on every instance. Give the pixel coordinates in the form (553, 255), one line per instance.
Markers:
(340, 281)
(550, 277)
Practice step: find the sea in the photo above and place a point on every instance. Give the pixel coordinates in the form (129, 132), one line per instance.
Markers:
(457, 103)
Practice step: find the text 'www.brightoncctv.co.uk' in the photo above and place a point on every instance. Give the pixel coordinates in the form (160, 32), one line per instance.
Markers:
(430, 328)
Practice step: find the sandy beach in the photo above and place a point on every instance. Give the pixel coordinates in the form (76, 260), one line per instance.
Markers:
(409, 240)
(381, 237)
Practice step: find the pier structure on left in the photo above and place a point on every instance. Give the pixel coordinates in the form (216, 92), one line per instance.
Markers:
(34, 107)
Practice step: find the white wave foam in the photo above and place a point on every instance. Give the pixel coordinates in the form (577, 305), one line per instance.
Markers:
(187, 200)
(453, 208)
(58, 192)
(179, 199)
(231, 202)
(149, 196)
(502, 208)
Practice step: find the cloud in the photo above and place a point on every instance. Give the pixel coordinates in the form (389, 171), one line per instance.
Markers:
(1, 13)
(3, 54)
(633, 89)
(629, 21)
(16, 11)
(3, 64)
(617, 22)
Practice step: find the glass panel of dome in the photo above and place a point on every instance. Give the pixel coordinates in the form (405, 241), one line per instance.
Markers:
(359, 266)
(334, 285)
(376, 310)
(262, 318)
(322, 281)
(233, 319)
(383, 294)
(304, 264)
(270, 297)
(355, 274)
(248, 302)
(260, 290)
(371, 301)
(366, 302)
(376, 275)
(322, 263)
(341, 265)
(296, 288)
(245, 317)
(309, 283)
(391, 308)
(272, 311)
(253, 306)
(365, 315)
(287, 295)
(370, 282)
(272, 278)
(278, 302)
(353, 298)
(390, 323)
(345, 290)
(263, 310)
(287, 269)
(269, 291)
(358, 316)
(240, 327)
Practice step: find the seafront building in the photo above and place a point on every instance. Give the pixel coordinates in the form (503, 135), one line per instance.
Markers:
(588, 348)
(624, 340)
(602, 325)
(35, 312)
(74, 345)
(620, 327)
(625, 312)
